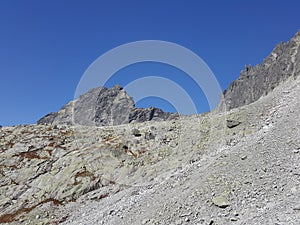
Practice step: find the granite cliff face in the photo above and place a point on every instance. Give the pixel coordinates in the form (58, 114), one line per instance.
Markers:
(102, 107)
(283, 63)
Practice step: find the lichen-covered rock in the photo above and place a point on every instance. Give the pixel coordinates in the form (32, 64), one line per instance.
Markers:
(232, 123)
(221, 201)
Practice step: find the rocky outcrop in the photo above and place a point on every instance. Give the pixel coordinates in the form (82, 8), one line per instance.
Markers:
(101, 107)
(283, 63)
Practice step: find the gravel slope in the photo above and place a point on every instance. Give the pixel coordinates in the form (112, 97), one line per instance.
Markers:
(250, 176)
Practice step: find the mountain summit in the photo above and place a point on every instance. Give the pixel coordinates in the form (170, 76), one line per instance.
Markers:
(102, 107)
(283, 63)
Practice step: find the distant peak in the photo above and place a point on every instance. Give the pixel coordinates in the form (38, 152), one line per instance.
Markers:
(104, 106)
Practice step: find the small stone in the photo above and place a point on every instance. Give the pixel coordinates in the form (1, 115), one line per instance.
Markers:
(221, 201)
(149, 136)
(232, 123)
(233, 219)
(297, 208)
(145, 221)
(296, 151)
(136, 133)
(243, 157)
(179, 222)
(294, 190)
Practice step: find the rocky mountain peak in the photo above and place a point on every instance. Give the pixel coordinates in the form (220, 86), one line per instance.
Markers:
(256, 81)
(102, 107)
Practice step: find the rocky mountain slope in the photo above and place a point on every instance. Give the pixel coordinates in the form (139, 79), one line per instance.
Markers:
(257, 81)
(103, 107)
(241, 166)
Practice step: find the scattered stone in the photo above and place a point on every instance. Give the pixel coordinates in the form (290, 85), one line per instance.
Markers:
(149, 136)
(243, 157)
(187, 219)
(211, 222)
(233, 219)
(296, 208)
(136, 133)
(221, 201)
(145, 221)
(232, 123)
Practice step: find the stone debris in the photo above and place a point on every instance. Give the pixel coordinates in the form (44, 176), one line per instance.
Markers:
(232, 123)
(221, 201)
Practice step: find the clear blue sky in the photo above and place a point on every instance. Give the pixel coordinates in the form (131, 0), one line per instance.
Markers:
(45, 46)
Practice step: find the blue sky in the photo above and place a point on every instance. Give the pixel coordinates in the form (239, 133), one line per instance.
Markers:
(46, 46)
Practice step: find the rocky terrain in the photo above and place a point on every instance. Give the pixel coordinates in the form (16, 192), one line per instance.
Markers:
(257, 81)
(103, 107)
(240, 166)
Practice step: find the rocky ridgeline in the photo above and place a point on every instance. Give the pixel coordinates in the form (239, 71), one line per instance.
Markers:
(283, 63)
(101, 107)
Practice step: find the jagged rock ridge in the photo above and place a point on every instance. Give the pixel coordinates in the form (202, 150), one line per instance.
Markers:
(283, 63)
(101, 107)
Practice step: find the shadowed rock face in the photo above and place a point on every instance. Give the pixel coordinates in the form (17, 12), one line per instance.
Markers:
(283, 63)
(102, 107)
